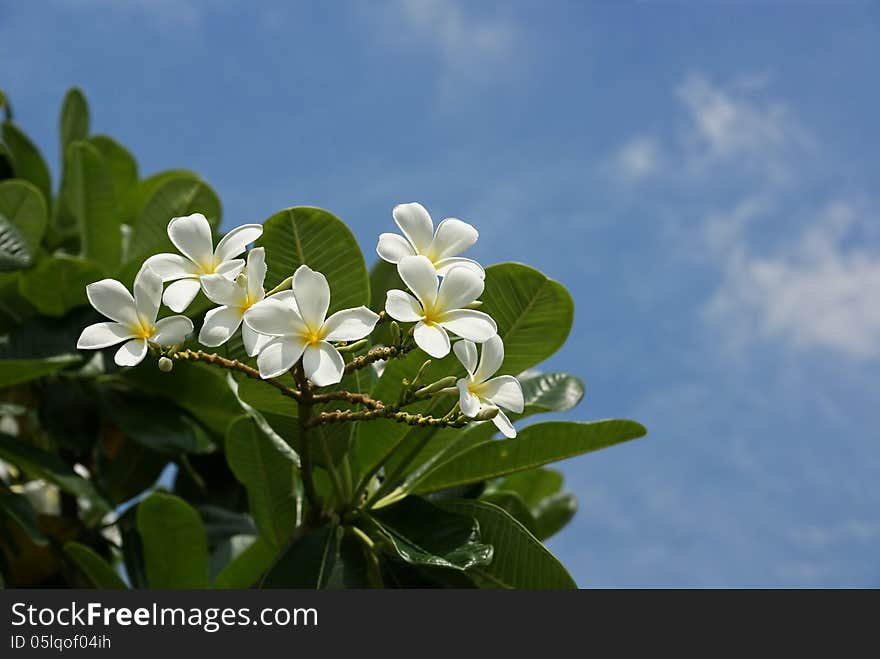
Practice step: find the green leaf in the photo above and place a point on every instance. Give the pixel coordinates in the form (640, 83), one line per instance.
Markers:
(121, 165)
(513, 505)
(553, 513)
(22, 204)
(170, 194)
(97, 570)
(245, 569)
(18, 508)
(308, 562)
(551, 392)
(88, 202)
(423, 534)
(535, 446)
(533, 485)
(267, 469)
(520, 561)
(533, 313)
(14, 251)
(267, 399)
(549, 508)
(27, 163)
(383, 277)
(74, 124)
(15, 371)
(174, 544)
(312, 236)
(58, 284)
(40, 464)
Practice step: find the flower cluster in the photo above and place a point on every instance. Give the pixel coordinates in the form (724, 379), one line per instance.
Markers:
(291, 326)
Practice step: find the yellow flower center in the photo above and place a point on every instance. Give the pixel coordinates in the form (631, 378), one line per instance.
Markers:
(314, 336)
(144, 330)
(207, 267)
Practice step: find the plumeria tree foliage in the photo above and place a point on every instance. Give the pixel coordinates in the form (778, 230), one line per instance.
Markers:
(330, 426)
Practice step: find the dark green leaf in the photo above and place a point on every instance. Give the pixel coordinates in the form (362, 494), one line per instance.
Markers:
(314, 237)
(18, 508)
(513, 505)
(14, 251)
(245, 569)
(533, 313)
(308, 562)
(88, 202)
(23, 205)
(15, 371)
(74, 123)
(174, 544)
(267, 469)
(553, 513)
(421, 533)
(520, 561)
(26, 160)
(97, 570)
(58, 284)
(535, 446)
(533, 485)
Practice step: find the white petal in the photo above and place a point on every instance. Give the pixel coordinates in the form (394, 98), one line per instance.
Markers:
(419, 274)
(230, 269)
(504, 391)
(312, 293)
(236, 241)
(469, 403)
(458, 289)
(279, 355)
(180, 294)
(350, 324)
(491, 359)
(432, 339)
(253, 341)
(323, 364)
(445, 265)
(473, 325)
(274, 317)
(402, 306)
(101, 335)
(147, 293)
(504, 425)
(220, 289)
(110, 298)
(172, 330)
(192, 236)
(131, 353)
(287, 297)
(219, 326)
(452, 238)
(466, 351)
(256, 272)
(392, 247)
(416, 225)
(171, 266)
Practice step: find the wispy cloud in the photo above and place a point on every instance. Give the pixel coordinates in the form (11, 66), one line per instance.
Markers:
(639, 158)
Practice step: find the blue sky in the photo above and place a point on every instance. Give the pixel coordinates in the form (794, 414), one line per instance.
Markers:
(702, 176)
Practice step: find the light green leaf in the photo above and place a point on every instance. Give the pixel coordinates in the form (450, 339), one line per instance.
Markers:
(520, 561)
(74, 123)
(23, 205)
(18, 508)
(245, 569)
(121, 165)
(16, 371)
(58, 284)
(533, 313)
(174, 544)
(535, 446)
(267, 468)
(88, 202)
(314, 237)
(97, 570)
(27, 163)
(551, 392)
(40, 464)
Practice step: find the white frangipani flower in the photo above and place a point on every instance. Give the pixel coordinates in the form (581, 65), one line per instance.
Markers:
(192, 236)
(236, 297)
(134, 318)
(299, 326)
(439, 306)
(478, 391)
(441, 248)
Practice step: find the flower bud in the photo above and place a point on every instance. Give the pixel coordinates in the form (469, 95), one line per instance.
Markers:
(352, 347)
(165, 364)
(486, 413)
(395, 333)
(421, 372)
(436, 387)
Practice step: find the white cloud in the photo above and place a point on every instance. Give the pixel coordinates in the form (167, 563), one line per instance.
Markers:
(819, 291)
(637, 159)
